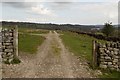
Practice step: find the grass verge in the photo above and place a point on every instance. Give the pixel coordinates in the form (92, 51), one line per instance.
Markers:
(29, 43)
(81, 45)
(110, 74)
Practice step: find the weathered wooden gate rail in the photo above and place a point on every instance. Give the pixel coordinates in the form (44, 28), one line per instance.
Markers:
(9, 43)
(106, 55)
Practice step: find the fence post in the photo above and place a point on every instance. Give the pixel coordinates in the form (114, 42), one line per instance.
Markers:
(16, 40)
(94, 55)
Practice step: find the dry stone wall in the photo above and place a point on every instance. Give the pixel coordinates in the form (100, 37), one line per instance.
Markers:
(109, 56)
(0, 54)
(8, 47)
(0, 42)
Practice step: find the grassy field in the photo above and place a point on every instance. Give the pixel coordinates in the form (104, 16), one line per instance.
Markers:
(29, 43)
(110, 74)
(35, 31)
(81, 45)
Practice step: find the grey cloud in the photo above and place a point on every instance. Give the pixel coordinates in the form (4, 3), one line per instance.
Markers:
(12, 0)
(59, 5)
(52, 5)
(19, 4)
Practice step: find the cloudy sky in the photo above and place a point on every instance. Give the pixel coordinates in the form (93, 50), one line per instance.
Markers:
(65, 12)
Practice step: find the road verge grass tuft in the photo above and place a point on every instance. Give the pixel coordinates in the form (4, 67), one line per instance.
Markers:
(29, 43)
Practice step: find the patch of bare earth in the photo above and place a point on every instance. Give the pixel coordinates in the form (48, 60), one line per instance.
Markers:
(52, 60)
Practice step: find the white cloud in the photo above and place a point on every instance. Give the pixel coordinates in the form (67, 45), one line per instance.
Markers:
(31, 19)
(41, 10)
(109, 10)
(11, 20)
(37, 20)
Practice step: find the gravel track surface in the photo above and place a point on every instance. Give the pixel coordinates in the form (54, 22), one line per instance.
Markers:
(52, 60)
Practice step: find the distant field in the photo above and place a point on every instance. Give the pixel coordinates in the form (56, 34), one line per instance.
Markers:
(30, 30)
(29, 43)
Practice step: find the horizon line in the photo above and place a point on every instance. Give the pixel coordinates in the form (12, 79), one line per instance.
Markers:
(54, 23)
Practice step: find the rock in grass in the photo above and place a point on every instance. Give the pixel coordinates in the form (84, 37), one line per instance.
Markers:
(103, 66)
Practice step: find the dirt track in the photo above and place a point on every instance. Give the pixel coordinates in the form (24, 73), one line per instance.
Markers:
(52, 60)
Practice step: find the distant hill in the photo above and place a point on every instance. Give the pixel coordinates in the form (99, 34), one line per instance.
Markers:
(50, 26)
